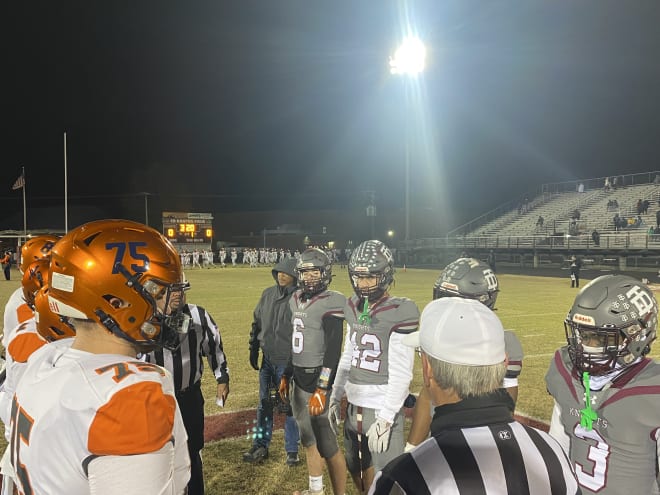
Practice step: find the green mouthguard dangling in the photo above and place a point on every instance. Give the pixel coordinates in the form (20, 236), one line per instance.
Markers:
(587, 415)
(364, 317)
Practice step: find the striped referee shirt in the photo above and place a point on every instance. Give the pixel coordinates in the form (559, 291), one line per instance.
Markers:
(476, 448)
(202, 340)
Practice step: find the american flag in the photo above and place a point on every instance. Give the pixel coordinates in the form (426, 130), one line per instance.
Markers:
(20, 182)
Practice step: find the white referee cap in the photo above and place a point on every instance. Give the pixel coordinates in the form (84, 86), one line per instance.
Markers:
(459, 331)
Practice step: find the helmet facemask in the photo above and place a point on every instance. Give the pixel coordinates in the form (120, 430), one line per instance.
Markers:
(167, 321)
(313, 285)
(600, 351)
(372, 292)
(310, 260)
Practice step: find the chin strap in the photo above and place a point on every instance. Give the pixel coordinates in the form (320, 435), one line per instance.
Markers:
(587, 415)
(364, 317)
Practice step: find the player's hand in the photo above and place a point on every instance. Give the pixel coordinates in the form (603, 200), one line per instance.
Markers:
(334, 415)
(284, 389)
(379, 435)
(254, 355)
(317, 401)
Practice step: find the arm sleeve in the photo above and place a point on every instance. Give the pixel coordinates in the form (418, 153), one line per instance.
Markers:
(334, 334)
(256, 321)
(343, 369)
(212, 348)
(557, 429)
(401, 360)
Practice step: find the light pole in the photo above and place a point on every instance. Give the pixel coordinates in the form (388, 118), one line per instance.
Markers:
(408, 60)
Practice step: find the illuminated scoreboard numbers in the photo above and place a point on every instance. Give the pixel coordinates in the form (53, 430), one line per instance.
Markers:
(188, 228)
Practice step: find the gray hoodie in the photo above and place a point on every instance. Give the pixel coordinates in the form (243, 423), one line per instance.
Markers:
(272, 317)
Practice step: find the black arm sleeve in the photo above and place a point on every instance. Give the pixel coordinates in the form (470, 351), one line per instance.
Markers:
(334, 335)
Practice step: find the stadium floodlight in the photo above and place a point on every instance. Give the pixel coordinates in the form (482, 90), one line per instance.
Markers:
(409, 58)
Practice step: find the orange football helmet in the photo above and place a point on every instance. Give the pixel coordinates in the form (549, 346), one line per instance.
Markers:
(36, 248)
(34, 278)
(117, 273)
(49, 325)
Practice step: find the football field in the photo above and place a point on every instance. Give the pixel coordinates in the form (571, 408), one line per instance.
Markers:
(532, 307)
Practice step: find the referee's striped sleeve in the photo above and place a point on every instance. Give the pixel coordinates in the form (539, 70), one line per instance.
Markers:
(502, 458)
(212, 347)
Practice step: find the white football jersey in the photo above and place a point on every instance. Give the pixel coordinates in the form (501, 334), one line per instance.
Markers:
(16, 311)
(71, 407)
(22, 341)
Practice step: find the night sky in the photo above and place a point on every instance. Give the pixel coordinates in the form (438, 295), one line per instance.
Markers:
(227, 106)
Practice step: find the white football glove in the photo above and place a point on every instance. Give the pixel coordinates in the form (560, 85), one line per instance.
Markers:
(379, 435)
(334, 415)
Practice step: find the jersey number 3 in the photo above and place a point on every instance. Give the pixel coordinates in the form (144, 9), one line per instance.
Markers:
(598, 454)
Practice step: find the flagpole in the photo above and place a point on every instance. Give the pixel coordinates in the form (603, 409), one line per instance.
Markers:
(24, 208)
(66, 208)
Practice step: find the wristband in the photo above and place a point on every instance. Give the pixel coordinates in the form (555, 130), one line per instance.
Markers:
(324, 378)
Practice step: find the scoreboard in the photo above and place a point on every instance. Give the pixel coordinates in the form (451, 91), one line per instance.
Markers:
(188, 230)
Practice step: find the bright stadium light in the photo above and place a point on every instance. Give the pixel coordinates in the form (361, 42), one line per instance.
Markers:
(409, 58)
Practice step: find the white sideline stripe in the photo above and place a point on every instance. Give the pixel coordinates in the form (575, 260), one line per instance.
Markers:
(533, 418)
(531, 356)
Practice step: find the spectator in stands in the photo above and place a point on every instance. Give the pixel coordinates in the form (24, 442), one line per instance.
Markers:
(645, 206)
(539, 222)
(617, 222)
(615, 181)
(657, 219)
(595, 236)
(607, 186)
(639, 206)
(656, 180)
(637, 222)
(580, 187)
(576, 214)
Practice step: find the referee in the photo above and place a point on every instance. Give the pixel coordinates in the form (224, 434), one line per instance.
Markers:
(186, 365)
(475, 447)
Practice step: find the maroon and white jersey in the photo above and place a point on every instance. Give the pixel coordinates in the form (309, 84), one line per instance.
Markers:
(308, 341)
(619, 454)
(376, 369)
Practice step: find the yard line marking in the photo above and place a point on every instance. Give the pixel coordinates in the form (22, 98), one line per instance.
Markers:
(530, 356)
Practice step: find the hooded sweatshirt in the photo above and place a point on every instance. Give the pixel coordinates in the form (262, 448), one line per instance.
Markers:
(272, 317)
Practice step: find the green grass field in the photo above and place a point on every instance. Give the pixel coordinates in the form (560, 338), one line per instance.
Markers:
(533, 307)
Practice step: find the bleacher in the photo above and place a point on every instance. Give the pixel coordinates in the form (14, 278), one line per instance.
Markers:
(513, 226)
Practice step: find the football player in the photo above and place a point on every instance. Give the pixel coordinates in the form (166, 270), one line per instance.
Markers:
(467, 278)
(317, 317)
(16, 310)
(376, 369)
(606, 391)
(113, 420)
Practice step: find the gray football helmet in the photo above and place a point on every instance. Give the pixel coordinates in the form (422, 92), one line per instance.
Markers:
(313, 259)
(371, 259)
(613, 321)
(468, 278)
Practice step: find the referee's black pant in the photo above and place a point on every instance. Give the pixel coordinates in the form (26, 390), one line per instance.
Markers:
(191, 404)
